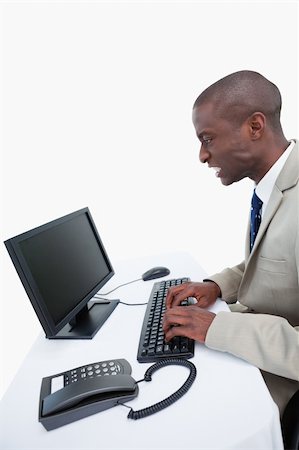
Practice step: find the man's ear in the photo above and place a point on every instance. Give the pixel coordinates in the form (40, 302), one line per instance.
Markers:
(256, 122)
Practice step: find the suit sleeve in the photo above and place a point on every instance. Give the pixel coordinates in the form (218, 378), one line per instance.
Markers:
(229, 281)
(268, 342)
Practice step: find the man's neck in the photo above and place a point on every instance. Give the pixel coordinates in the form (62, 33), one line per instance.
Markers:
(272, 151)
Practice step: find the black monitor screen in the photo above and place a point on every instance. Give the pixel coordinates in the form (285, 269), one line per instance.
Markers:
(66, 263)
(62, 264)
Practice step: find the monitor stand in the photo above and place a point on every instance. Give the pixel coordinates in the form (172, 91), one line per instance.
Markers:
(88, 321)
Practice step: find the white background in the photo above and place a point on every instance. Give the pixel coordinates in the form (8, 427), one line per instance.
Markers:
(97, 100)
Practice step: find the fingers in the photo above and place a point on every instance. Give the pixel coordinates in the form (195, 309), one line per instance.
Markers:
(203, 302)
(175, 331)
(177, 294)
(174, 320)
(190, 321)
(205, 293)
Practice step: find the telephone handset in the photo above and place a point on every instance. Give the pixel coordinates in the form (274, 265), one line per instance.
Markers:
(85, 390)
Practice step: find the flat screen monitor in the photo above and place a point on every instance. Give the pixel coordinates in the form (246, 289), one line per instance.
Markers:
(62, 265)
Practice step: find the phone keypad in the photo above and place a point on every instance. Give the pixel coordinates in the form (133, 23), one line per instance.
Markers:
(98, 369)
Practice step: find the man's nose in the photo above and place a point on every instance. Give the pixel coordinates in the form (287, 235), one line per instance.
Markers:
(203, 154)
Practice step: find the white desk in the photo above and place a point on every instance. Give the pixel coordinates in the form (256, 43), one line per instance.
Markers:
(227, 407)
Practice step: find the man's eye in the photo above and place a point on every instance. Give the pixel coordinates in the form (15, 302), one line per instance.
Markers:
(207, 141)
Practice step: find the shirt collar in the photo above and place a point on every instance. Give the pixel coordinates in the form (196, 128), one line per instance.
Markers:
(265, 185)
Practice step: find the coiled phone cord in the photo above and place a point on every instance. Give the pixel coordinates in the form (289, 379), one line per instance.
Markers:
(173, 397)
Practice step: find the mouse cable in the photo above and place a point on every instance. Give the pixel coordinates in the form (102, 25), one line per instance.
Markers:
(121, 285)
(123, 303)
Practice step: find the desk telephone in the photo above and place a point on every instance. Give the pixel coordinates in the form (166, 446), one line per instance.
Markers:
(86, 390)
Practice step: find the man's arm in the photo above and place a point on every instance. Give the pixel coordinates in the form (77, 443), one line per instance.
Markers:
(266, 341)
(229, 281)
(194, 321)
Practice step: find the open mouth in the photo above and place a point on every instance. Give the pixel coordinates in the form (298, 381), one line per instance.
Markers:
(217, 170)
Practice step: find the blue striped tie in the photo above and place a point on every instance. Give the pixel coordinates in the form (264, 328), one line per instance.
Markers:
(255, 217)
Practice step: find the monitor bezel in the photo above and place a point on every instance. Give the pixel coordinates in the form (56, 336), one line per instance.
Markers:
(25, 275)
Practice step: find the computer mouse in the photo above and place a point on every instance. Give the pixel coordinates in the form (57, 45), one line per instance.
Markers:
(155, 272)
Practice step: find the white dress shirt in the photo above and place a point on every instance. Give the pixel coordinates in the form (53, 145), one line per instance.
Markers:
(265, 186)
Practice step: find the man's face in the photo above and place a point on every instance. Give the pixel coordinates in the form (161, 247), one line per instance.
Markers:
(224, 146)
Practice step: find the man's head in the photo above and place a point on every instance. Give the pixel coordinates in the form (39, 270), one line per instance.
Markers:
(237, 120)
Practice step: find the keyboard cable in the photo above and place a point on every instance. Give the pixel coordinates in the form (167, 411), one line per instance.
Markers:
(123, 303)
(121, 285)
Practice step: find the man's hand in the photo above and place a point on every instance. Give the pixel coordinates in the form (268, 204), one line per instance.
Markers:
(190, 321)
(205, 293)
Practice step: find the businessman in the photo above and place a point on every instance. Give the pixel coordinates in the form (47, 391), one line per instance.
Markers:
(237, 121)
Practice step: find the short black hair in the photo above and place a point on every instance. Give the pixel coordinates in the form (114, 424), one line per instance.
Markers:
(241, 94)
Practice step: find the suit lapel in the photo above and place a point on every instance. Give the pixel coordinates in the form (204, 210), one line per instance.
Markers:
(287, 178)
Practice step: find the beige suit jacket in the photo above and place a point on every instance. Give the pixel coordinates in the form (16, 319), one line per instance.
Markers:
(266, 332)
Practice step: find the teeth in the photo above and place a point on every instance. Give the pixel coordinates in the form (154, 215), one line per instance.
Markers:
(217, 170)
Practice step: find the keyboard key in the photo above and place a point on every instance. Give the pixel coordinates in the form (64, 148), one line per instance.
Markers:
(159, 350)
(176, 349)
(167, 349)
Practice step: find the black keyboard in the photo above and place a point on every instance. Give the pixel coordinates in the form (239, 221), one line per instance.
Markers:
(152, 344)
